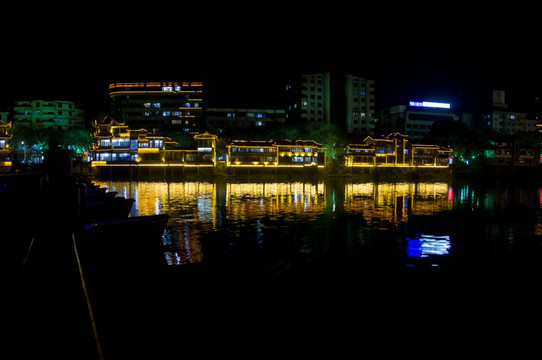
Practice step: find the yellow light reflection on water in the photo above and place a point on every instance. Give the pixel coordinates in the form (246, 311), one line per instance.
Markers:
(393, 203)
(248, 201)
(198, 208)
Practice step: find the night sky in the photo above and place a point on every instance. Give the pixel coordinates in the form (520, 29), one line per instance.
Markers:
(438, 54)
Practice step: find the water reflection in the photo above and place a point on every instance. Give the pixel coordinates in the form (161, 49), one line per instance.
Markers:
(274, 201)
(389, 204)
(423, 245)
(316, 217)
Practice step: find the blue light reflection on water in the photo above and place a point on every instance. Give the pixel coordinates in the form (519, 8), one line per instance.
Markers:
(423, 245)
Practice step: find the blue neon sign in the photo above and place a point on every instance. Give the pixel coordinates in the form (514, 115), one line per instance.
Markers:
(429, 104)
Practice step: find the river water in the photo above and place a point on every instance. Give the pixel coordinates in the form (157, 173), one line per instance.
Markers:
(389, 259)
(351, 223)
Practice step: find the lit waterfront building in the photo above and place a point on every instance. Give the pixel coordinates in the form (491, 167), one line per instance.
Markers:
(43, 114)
(175, 106)
(512, 154)
(285, 153)
(117, 144)
(5, 157)
(396, 150)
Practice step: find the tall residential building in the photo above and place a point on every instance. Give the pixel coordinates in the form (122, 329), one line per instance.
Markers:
(221, 118)
(173, 106)
(43, 114)
(501, 120)
(338, 98)
(509, 123)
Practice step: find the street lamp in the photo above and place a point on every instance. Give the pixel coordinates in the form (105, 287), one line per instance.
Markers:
(24, 150)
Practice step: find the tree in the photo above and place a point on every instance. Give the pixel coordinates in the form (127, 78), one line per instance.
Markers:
(36, 140)
(182, 138)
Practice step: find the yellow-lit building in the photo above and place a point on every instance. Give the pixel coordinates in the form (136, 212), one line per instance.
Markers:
(5, 158)
(396, 150)
(117, 144)
(286, 153)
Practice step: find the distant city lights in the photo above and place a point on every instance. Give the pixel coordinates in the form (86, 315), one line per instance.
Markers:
(429, 104)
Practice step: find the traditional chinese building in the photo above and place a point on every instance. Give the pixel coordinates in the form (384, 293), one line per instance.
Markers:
(286, 153)
(117, 144)
(512, 154)
(395, 150)
(5, 158)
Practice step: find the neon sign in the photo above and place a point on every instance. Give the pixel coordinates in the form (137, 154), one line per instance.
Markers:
(429, 104)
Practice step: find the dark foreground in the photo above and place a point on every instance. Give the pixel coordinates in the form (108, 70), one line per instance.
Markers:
(198, 310)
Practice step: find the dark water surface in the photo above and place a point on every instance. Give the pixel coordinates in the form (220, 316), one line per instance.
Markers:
(344, 223)
(388, 258)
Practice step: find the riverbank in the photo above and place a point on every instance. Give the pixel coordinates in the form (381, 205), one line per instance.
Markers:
(308, 173)
(490, 174)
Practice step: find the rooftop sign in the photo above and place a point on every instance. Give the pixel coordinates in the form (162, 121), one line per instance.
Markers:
(428, 104)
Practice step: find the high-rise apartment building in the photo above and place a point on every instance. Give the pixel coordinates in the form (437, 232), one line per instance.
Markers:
(43, 114)
(504, 121)
(223, 118)
(338, 98)
(155, 106)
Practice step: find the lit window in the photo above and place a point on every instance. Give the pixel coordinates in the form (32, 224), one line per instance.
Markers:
(167, 88)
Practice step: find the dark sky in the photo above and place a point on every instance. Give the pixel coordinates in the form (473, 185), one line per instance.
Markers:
(439, 54)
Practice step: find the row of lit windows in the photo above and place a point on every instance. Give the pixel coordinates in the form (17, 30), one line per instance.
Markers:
(390, 151)
(246, 149)
(248, 115)
(166, 113)
(272, 149)
(307, 159)
(39, 112)
(158, 105)
(156, 143)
